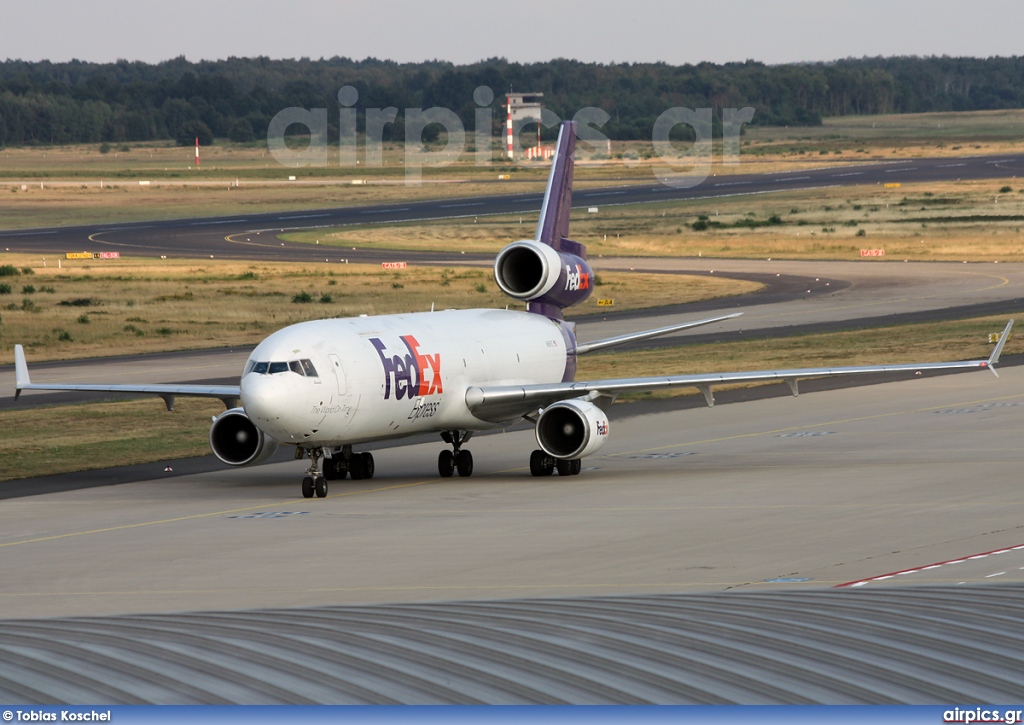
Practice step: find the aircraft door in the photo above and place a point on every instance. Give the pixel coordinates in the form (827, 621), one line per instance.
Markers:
(339, 372)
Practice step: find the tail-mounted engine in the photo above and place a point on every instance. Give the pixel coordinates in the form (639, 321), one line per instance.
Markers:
(238, 442)
(572, 429)
(536, 272)
(549, 271)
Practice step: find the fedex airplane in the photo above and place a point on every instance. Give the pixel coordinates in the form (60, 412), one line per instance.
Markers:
(327, 385)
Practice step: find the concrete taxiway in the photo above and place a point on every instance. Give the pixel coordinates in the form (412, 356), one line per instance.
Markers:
(832, 488)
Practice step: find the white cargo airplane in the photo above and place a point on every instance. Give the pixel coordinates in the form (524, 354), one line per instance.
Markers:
(326, 385)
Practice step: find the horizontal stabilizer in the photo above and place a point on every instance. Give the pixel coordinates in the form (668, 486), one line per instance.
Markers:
(646, 334)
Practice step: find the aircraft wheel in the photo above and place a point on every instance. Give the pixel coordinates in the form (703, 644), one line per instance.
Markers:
(367, 464)
(577, 466)
(307, 487)
(540, 464)
(355, 467)
(564, 467)
(320, 487)
(464, 462)
(446, 463)
(334, 469)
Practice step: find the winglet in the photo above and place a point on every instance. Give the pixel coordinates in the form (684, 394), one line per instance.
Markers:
(21, 378)
(993, 359)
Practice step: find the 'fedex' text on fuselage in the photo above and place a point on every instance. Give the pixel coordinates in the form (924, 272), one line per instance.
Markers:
(407, 374)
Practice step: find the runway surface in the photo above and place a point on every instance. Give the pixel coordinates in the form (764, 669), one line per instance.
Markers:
(235, 236)
(832, 488)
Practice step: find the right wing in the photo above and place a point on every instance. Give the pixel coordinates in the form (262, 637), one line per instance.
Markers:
(228, 394)
(499, 403)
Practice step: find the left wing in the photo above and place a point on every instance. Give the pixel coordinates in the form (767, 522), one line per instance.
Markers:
(504, 402)
(228, 394)
(584, 347)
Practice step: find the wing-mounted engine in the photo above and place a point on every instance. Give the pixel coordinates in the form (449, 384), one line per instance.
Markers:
(572, 429)
(238, 442)
(533, 271)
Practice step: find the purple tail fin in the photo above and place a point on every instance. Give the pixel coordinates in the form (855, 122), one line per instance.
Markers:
(553, 226)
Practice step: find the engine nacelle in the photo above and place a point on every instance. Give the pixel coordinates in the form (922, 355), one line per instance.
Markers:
(572, 429)
(530, 270)
(238, 442)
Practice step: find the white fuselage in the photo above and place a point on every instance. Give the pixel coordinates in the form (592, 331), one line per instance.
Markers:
(393, 375)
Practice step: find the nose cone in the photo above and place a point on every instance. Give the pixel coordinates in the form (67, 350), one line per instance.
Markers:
(269, 403)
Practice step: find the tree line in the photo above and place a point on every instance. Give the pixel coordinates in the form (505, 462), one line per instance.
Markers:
(78, 102)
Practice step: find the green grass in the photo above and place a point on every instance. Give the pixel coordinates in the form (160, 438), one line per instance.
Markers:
(100, 435)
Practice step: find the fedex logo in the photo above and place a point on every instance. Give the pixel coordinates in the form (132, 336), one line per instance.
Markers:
(576, 280)
(411, 374)
(602, 427)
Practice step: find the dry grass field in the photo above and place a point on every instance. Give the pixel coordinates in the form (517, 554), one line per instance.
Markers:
(235, 179)
(59, 439)
(909, 135)
(139, 305)
(951, 221)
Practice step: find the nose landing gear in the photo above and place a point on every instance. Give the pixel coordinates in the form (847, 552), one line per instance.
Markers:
(457, 458)
(314, 482)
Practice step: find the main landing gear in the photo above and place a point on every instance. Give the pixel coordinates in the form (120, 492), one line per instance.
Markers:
(541, 464)
(457, 458)
(336, 468)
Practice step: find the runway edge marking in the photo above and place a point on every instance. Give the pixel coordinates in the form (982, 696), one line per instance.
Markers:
(914, 570)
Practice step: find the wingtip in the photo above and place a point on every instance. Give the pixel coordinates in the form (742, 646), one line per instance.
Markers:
(21, 379)
(1003, 337)
(20, 368)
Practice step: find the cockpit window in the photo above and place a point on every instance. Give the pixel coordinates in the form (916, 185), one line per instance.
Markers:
(299, 367)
